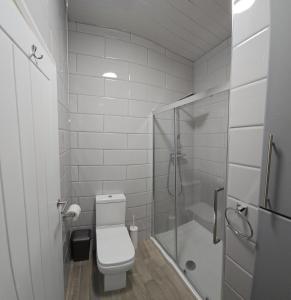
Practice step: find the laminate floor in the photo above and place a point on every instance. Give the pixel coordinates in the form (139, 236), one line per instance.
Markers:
(152, 278)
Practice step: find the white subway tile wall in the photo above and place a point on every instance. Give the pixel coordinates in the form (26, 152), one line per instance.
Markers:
(213, 69)
(209, 159)
(245, 146)
(230, 294)
(251, 21)
(111, 128)
(249, 72)
(210, 137)
(250, 59)
(251, 95)
(244, 183)
(238, 278)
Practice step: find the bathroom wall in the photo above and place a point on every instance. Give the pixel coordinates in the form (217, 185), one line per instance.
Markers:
(213, 69)
(51, 20)
(249, 72)
(111, 117)
(248, 52)
(202, 129)
(210, 133)
(210, 117)
(164, 180)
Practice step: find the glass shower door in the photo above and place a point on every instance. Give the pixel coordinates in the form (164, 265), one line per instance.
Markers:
(201, 142)
(164, 221)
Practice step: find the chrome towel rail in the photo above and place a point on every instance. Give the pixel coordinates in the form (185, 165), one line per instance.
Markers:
(241, 212)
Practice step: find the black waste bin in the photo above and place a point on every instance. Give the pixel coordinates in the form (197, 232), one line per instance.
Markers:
(80, 244)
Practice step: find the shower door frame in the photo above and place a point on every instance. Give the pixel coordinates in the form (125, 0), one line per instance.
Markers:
(153, 183)
(173, 106)
(192, 98)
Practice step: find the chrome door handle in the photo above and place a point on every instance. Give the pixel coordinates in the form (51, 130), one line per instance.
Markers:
(269, 160)
(215, 239)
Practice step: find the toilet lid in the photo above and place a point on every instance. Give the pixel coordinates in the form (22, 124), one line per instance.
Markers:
(114, 245)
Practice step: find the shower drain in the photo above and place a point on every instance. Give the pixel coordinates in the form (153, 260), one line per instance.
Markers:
(190, 265)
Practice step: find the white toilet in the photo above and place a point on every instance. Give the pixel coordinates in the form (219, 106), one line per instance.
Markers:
(114, 250)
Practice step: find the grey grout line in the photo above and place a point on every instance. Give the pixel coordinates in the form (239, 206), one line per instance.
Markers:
(130, 62)
(243, 165)
(235, 199)
(255, 34)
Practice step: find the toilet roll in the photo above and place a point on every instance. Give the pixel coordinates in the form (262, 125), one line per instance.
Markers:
(133, 231)
(74, 211)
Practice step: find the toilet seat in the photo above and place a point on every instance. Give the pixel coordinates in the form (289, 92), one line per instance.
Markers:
(115, 252)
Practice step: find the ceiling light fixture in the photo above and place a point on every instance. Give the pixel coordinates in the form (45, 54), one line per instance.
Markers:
(110, 75)
(240, 6)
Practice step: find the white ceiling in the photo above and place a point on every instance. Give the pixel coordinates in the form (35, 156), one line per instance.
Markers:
(187, 27)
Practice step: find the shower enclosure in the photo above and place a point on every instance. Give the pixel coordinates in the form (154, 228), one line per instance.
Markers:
(189, 172)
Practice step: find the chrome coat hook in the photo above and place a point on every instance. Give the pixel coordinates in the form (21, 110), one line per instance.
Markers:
(34, 55)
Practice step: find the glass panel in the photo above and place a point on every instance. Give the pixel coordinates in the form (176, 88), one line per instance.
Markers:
(164, 181)
(201, 138)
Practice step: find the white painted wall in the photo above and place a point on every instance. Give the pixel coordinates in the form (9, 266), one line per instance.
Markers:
(110, 118)
(249, 72)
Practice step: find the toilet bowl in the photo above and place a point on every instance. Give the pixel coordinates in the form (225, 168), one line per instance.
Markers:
(115, 253)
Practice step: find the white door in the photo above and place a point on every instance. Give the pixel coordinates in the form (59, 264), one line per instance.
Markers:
(45, 131)
(7, 284)
(30, 223)
(12, 180)
(25, 119)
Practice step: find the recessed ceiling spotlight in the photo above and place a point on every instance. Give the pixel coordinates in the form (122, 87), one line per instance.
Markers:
(240, 6)
(110, 75)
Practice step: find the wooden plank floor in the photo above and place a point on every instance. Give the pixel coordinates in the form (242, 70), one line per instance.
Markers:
(152, 277)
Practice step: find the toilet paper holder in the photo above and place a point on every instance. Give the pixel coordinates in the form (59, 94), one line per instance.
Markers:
(64, 205)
